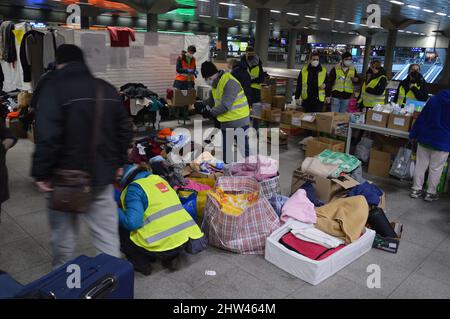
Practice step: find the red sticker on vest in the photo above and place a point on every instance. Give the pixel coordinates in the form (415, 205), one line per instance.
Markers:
(162, 187)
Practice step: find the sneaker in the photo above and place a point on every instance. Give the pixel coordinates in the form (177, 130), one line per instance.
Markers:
(416, 194)
(172, 264)
(431, 197)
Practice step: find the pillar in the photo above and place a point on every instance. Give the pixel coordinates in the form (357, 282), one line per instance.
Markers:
(84, 19)
(389, 55)
(445, 78)
(152, 22)
(262, 34)
(293, 35)
(367, 53)
(222, 35)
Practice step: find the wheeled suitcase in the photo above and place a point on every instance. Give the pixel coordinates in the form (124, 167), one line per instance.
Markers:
(100, 277)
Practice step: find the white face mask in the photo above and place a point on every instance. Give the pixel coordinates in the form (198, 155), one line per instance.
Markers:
(209, 81)
(315, 64)
(348, 63)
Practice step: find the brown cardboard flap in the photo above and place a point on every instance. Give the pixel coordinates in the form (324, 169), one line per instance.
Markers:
(346, 182)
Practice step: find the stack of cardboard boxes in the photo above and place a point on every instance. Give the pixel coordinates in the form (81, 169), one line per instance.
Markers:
(389, 120)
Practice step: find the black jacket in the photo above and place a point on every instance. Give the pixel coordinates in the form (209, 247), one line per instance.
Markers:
(313, 81)
(240, 72)
(421, 95)
(260, 79)
(381, 87)
(4, 134)
(64, 121)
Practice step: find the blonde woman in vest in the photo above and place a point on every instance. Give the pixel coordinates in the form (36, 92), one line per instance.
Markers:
(153, 223)
(374, 86)
(341, 84)
(230, 108)
(311, 85)
(414, 87)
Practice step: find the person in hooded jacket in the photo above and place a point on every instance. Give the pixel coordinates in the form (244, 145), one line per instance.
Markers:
(153, 223)
(414, 87)
(432, 132)
(374, 86)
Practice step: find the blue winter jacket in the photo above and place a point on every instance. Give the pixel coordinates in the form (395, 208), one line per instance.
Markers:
(136, 203)
(433, 125)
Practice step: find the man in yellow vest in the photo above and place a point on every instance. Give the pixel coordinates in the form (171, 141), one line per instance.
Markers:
(311, 85)
(374, 86)
(254, 67)
(153, 222)
(414, 87)
(341, 84)
(231, 109)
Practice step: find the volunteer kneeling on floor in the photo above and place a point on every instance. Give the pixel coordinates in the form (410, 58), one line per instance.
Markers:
(153, 222)
(230, 108)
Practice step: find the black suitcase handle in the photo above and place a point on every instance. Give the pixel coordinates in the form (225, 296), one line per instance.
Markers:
(99, 288)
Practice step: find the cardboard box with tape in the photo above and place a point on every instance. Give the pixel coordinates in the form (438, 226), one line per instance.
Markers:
(279, 101)
(308, 121)
(266, 94)
(379, 163)
(317, 145)
(328, 121)
(376, 118)
(399, 122)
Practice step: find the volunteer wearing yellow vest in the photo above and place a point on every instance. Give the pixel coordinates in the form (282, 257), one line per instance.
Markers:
(341, 83)
(153, 222)
(374, 86)
(414, 87)
(311, 85)
(230, 108)
(256, 72)
(186, 70)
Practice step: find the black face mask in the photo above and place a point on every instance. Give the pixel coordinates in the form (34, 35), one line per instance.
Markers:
(414, 74)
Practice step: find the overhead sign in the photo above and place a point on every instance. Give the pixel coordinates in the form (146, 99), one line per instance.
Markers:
(74, 18)
(374, 17)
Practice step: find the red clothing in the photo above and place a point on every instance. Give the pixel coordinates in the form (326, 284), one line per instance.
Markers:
(120, 37)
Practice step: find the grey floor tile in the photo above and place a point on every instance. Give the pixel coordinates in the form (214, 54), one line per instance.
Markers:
(32, 274)
(335, 287)
(392, 275)
(34, 223)
(24, 206)
(10, 231)
(420, 287)
(437, 267)
(158, 286)
(21, 255)
(444, 246)
(237, 284)
(428, 236)
(193, 268)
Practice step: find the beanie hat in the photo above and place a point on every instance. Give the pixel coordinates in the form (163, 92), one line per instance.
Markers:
(346, 55)
(192, 48)
(208, 69)
(67, 53)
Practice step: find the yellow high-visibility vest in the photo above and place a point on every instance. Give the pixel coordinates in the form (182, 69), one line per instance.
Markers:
(344, 82)
(254, 74)
(321, 80)
(167, 225)
(403, 96)
(239, 108)
(370, 100)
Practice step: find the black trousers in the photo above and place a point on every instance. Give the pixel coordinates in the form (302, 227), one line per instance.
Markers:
(312, 106)
(141, 257)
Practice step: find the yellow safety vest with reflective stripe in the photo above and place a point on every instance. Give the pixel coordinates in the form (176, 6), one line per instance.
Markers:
(321, 79)
(166, 224)
(254, 74)
(239, 108)
(371, 100)
(344, 82)
(403, 96)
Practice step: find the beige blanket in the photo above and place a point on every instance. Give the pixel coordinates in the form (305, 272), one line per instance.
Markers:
(344, 218)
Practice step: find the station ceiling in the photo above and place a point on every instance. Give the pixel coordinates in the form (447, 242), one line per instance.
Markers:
(343, 16)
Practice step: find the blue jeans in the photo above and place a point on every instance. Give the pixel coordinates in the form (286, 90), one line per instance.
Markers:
(227, 144)
(339, 106)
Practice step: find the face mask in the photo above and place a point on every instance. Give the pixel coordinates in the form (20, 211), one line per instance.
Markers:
(348, 63)
(209, 82)
(414, 74)
(315, 64)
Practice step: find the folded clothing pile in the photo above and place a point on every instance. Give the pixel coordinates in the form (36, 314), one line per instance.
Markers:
(260, 167)
(346, 163)
(308, 249)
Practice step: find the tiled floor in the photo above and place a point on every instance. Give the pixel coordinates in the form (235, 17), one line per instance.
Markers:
(421, 269)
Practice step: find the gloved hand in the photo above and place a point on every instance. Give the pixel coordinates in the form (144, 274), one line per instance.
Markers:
(298, 102)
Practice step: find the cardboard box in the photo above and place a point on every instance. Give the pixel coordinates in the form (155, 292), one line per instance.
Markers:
(376, 118)
(399, 122)
(266, 94)
(313, 271)
(379, 163)
(328, 121)
(275, 115)
(286, 117)
(317, 145)
(291, 130)
(387, 243)
(292, 117)
(326, 189)
(279, 101)
(308, 122)
(184, 97)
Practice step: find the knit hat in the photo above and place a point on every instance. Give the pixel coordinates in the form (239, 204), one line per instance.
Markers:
(165, 133)
(192, 49)
(208, 69)
(346, 55)
(67, 53)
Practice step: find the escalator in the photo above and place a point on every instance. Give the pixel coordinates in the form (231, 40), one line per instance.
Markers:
(430, 72)
(433, 73)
